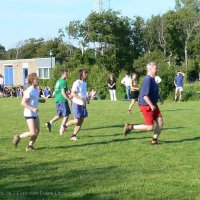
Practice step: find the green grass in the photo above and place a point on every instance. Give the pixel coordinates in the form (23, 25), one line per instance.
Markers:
(102, 164)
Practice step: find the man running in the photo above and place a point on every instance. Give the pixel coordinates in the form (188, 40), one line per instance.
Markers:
(148, 99)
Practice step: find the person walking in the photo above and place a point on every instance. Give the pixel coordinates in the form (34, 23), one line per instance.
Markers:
(61, 99)
(148, 99)
(79, 94)
(112, 87)
(134, 91)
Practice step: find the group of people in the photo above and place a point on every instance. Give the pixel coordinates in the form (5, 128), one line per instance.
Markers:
(148, 98)
(45, 93)
(10, 91)
(78, 98)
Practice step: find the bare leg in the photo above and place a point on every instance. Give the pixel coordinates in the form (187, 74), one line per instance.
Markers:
(158, 128)
(64, 121)
(78, 126)
(132, 104)
(37, 130)
(180, 96)
(56, 118)
(32, 128)
(143, 127)
(176, 94)
(71, 122)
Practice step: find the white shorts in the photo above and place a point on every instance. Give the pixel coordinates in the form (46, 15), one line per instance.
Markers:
(179, 89)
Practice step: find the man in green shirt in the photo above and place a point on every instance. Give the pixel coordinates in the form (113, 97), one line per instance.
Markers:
(62, 107)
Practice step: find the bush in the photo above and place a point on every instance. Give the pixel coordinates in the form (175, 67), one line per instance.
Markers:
(191, 91)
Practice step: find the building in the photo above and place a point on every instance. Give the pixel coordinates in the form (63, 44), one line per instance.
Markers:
(15, 72)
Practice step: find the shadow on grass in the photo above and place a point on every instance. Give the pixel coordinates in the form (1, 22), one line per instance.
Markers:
(93, 143)
(180, 127)
(102, 127)
(174, 110)
(182, 140)
(32, 181)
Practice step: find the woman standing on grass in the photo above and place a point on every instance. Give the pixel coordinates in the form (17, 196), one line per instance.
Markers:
(134, 91)
(30, 103)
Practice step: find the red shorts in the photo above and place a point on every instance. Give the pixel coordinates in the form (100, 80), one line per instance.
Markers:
(149, 115)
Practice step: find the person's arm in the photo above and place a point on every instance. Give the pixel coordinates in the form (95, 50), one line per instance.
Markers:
(134, 87)
(148, 101)
(182, 74)
(109, 84)
(24, 103)
(113, 84)
(123, 81)
(74, 94)
(64, 94)
(175, 83)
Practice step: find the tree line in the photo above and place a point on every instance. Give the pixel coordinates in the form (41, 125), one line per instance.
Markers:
(115, 42)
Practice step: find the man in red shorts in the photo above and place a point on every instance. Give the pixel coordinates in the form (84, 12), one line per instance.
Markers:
(148, 99)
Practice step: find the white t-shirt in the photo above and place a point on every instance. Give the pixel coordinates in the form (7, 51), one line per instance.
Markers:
(1, 81)
(32, 94)
(80, 87)
(126, 81)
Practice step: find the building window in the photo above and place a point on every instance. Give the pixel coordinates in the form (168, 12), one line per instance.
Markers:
(44, 73)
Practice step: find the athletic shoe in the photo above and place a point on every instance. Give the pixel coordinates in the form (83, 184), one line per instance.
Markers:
(154, 142)
(48, 125)
(126, 129)
(30, 148)
(16, 140)
(74, 138)
(63, 129)
(129, 112)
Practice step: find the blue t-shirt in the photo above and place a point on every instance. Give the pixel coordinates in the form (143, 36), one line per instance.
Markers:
(47, 92)
(150, 89)
(179, 81)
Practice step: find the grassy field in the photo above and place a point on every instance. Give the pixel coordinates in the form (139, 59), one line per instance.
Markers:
(102, 164)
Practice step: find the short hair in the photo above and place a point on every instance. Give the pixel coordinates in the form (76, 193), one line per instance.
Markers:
(32, 77)
(62, 71)
(81, 72)
(149, 65)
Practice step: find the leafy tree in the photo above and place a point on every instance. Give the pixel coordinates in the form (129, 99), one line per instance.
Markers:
(2, 52)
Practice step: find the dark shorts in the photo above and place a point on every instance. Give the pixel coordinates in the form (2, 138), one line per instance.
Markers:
(149, 115)
(63, 109)
(79, 111)
(134, 94)
(30, 118)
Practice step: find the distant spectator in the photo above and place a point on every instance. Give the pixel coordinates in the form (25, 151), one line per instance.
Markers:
(134, 91)
(1, 83)
(46, 92)
(40, 92)
(112, 88)
(127, 82)
(6, 92)
(178, 82)
(21, 90)
(69, 93)
(93, 95)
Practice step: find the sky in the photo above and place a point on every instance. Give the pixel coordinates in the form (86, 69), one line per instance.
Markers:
(24, 19)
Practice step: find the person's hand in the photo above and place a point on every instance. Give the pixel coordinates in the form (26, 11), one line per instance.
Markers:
(152, 107)
(35, 110)
(84, 101)
(87, 101)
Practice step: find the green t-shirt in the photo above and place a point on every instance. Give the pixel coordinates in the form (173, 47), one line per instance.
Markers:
(60, 84)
